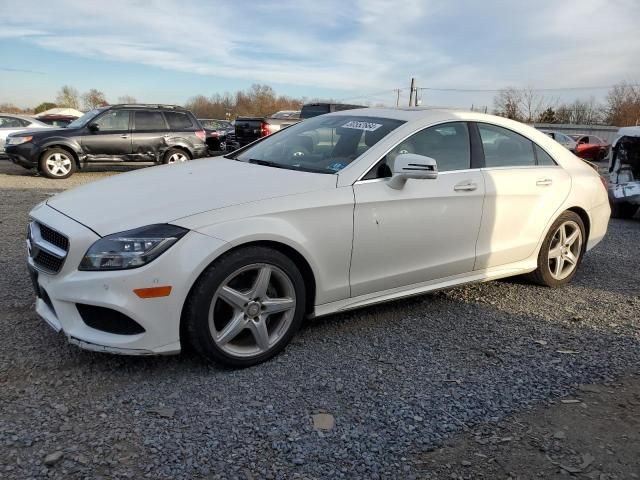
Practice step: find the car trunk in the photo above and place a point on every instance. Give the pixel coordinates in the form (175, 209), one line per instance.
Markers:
(248, 129)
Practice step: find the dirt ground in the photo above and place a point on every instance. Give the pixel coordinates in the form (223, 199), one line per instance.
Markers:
(594, 434)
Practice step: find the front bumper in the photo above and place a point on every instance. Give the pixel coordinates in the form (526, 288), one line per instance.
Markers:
(26, 154)
(59, 294)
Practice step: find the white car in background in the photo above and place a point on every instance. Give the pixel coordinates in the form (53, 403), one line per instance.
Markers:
(10, 123)
(230, 255)
(565, 140)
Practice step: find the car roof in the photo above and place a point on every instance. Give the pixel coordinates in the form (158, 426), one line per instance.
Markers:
(629, 132)
(21, 117)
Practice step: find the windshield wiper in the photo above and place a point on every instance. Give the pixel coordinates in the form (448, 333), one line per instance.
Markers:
(297, 168)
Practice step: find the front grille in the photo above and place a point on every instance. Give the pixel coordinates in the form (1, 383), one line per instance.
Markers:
(56, 238)
(47, 261)
(47, 247)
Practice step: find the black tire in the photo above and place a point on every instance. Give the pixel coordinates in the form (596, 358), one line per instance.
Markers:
(543, 275)
(172, 153)
(57, 164)
(623, 210)
(197, 308)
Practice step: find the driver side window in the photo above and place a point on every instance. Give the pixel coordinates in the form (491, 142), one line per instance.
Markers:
(114, 120)
(448, 144)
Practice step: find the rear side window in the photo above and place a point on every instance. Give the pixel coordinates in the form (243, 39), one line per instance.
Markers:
(178, 120)
(543, 157)
(504, 148)
(10, 122)
(145, 120)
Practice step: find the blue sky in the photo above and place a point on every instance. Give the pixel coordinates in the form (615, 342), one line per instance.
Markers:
(169, 50)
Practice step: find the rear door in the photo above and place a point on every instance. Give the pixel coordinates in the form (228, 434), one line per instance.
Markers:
(524, 190)
(149, 134)
(112, 139)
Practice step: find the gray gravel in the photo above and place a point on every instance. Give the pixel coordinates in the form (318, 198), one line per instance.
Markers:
(397, 379)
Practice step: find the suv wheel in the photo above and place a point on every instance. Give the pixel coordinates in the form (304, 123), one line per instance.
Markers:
(175, 155)
(57, 163)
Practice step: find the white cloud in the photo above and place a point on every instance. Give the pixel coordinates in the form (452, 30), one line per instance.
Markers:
(361, 46)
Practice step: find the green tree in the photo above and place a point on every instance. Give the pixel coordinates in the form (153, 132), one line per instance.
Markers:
(44, 106)
(548, 116)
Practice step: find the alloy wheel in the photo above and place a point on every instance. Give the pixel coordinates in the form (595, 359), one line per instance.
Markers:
(177, 157)
(565, 249)
(252, 310)
(58, 164)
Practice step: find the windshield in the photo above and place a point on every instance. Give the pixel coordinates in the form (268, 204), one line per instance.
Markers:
(324, 144)
(84, 119)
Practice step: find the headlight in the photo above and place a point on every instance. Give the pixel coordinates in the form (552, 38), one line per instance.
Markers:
(131, 249)
(18, 140)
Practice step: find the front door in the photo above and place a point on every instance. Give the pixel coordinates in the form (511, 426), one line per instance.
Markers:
(428, 229)
(111, 136)
(150, 133)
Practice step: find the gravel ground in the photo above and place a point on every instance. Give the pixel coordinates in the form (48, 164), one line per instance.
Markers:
(398, 380)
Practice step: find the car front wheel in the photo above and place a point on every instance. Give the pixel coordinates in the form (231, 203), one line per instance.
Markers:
(57, 163)
(561, 251)
(245, 307)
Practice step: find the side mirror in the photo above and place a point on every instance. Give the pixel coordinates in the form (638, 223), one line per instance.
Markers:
(410, 165)
(93, 127)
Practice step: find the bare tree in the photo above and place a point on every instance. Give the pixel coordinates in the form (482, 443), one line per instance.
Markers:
(507, 103)
(580, 112)
(128, 99)
(93, 98)
(623, 105)
(68, 97)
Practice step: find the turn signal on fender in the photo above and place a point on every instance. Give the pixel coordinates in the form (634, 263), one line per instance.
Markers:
(153, 292)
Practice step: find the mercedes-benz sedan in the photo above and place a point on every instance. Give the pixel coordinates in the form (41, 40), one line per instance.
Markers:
(343, 210)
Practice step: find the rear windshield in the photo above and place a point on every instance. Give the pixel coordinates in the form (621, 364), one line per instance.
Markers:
(325, 144)
(309, 111)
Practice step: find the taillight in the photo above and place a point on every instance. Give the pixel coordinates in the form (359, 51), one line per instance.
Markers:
(264, 129)
(201, 135)
(605, 182)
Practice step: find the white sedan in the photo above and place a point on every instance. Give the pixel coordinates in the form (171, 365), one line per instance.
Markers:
(229, 255)
(10, 123)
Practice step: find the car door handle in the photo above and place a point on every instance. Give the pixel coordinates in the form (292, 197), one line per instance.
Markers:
(465, 187)
(124, 136)
(544, 182)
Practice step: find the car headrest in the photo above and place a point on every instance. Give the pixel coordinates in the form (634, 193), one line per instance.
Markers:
(371, 137)
(508, 147)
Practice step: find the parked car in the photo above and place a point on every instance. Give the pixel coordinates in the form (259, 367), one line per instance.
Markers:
(250, 129)
(565, 140)
(141, 133)
(230, 255)
(624, 173)
(591, 147)
(10, 123)
(310, 110)
(57, 120)
(221, 136)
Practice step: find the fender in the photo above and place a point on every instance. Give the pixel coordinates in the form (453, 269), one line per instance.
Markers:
(68, 142)
(172, 142)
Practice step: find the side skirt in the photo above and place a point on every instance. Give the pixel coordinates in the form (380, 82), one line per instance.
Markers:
(486, 275)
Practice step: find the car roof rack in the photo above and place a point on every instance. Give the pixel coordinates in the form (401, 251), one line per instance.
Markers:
(148, 105)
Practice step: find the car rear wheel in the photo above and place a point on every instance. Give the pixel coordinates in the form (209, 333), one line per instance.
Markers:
(623, 210)
(561, 251)
(57, 163)
(245, 307)
(175, 155)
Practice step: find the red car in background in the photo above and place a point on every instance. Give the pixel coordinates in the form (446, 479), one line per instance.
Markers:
(591, 147)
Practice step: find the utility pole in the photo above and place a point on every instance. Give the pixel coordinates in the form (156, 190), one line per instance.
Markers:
(412, 95)
(397, 90)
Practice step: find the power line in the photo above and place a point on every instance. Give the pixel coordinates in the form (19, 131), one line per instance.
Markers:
(477, 90)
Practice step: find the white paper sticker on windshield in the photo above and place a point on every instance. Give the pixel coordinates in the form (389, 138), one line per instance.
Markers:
(367, 126)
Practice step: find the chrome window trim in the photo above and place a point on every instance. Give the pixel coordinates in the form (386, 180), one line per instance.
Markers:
(359, 179)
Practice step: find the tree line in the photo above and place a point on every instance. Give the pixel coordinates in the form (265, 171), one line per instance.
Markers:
(621, 107)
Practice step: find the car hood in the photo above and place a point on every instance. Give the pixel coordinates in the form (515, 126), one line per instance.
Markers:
(167, 193)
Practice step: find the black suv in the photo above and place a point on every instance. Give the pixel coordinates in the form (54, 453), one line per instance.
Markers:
(146, 133)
